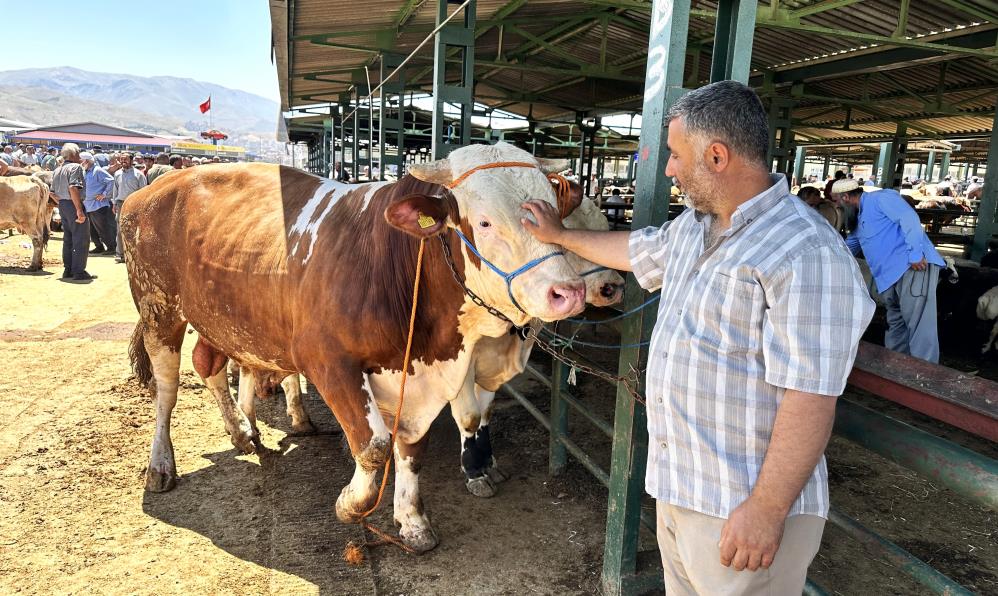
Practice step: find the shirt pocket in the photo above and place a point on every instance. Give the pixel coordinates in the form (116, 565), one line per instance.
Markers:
(731, 314)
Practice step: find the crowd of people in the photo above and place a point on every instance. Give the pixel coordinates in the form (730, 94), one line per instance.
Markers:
(90, 188)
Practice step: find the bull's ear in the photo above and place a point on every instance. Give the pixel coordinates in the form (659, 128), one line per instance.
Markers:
(570, 199)
(552, 166)
(421, 216)
(434, 172)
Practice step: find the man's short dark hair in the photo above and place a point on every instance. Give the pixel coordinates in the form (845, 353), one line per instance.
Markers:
(175, 158)
(728, 112)
(839, 175)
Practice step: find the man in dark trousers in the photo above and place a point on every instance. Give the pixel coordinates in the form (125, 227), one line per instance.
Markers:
(69, 188)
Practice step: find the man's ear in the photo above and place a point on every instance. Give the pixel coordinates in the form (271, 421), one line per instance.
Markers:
(421, 216)
(718, 156)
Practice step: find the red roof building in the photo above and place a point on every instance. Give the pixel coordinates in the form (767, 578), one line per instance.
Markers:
(88, 134)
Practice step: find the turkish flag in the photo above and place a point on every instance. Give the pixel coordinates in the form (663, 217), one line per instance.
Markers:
(206, 105)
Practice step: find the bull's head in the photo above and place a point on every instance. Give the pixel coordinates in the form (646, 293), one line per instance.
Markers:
(490, 207)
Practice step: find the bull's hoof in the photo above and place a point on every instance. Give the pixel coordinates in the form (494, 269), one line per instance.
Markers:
(481, 487)
(303, 428)
(420, 540)
(350, 514)
(246, 441)
(496, 475)
(160, 482)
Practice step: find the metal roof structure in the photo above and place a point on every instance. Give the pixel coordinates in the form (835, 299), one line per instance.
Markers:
(855, 68)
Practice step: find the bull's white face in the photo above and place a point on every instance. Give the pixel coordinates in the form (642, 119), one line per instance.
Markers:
(605, 287)
(491, 202)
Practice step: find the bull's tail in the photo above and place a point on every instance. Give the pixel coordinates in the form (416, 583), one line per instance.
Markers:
(141, 364)
(46, 232)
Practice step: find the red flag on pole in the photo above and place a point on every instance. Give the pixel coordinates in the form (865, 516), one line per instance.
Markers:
(206, 105)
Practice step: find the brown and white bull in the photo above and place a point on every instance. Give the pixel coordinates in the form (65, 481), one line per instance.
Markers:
(289, 273)
(497, 361)
(25, 205)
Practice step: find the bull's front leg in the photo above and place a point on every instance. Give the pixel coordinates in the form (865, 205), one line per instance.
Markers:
(37, 246)
(414, 527)
(347, 392)
(483, 439)
(468, 415)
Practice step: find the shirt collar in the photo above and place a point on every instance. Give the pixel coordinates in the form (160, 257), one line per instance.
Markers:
(753, 208)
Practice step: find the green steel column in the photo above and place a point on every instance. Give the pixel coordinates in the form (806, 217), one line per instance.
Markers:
(974, 171)
(944, 168)
(459, 36)
(733, 40)
(327, 141)
(825, 167)
(663, 86)
(880, 169)
(989, 197)
(930, 165)
(919, 174)
(799, 164)
(391, 123)
(557, 455)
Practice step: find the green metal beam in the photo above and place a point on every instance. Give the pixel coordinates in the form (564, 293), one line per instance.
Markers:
(546, 45)
(820, 7)
(589, 72)
(989, 199)
(902, 27)
(980, 13)
(781, 22)
(408, 9)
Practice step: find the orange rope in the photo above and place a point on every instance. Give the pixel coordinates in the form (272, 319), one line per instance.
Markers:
(562, 191)
(398, 411)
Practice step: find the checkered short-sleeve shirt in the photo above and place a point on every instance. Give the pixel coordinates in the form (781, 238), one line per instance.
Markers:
(776, 303)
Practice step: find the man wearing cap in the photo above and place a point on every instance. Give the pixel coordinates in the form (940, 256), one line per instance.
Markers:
(97, 203)
(945, 188)
(50, 161)
(904, 263)
(126, 181)
(7, 155)
(974, 189)
(100, 157)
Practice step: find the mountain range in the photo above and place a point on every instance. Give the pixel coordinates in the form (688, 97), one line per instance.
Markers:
(158, 104)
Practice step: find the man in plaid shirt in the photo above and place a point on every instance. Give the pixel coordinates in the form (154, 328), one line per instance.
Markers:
(761, 313)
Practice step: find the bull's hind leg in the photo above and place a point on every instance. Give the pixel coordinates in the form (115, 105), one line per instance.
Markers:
(210, 364)
(37, 245)
(414, 527)
(300, 422)
(157, 359)
(348, 394)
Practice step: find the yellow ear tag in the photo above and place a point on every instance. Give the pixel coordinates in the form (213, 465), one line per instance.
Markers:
(425, 221)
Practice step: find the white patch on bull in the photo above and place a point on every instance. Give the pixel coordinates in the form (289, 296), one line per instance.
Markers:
(372, 188)
(415, 528)
(307, 222)
(162, 470)
(379, 429)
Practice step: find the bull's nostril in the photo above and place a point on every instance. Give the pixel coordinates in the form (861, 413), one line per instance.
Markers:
(608, 290)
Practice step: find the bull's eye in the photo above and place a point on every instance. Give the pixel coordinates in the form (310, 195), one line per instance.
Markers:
(484, 224)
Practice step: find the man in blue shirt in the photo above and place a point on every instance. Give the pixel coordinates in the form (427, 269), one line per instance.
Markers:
(904, 264)
(97, 202)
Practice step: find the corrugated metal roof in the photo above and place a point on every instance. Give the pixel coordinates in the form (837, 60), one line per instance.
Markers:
(540, 79)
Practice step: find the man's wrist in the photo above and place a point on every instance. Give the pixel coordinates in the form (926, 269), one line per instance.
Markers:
(770, 503)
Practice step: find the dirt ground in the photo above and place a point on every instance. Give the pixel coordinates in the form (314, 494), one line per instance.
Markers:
(75, 434)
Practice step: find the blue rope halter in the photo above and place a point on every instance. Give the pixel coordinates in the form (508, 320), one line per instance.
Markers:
(507, 277)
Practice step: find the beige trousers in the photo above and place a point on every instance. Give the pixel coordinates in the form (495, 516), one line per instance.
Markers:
(692, 560)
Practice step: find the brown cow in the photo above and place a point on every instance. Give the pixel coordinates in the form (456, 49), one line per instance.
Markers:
(290, 273)
(25, 205)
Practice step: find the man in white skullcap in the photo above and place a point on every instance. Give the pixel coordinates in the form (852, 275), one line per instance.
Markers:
(904, 263)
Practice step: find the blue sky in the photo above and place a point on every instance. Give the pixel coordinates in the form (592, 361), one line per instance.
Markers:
(217, 41)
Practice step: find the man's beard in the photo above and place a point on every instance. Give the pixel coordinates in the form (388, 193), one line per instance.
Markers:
(702, 191)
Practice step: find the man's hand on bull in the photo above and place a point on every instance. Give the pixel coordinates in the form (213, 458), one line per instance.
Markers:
(920, 266)
(547, 226)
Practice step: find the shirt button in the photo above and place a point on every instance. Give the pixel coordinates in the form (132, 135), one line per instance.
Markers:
(660, 400)
(664, 445)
